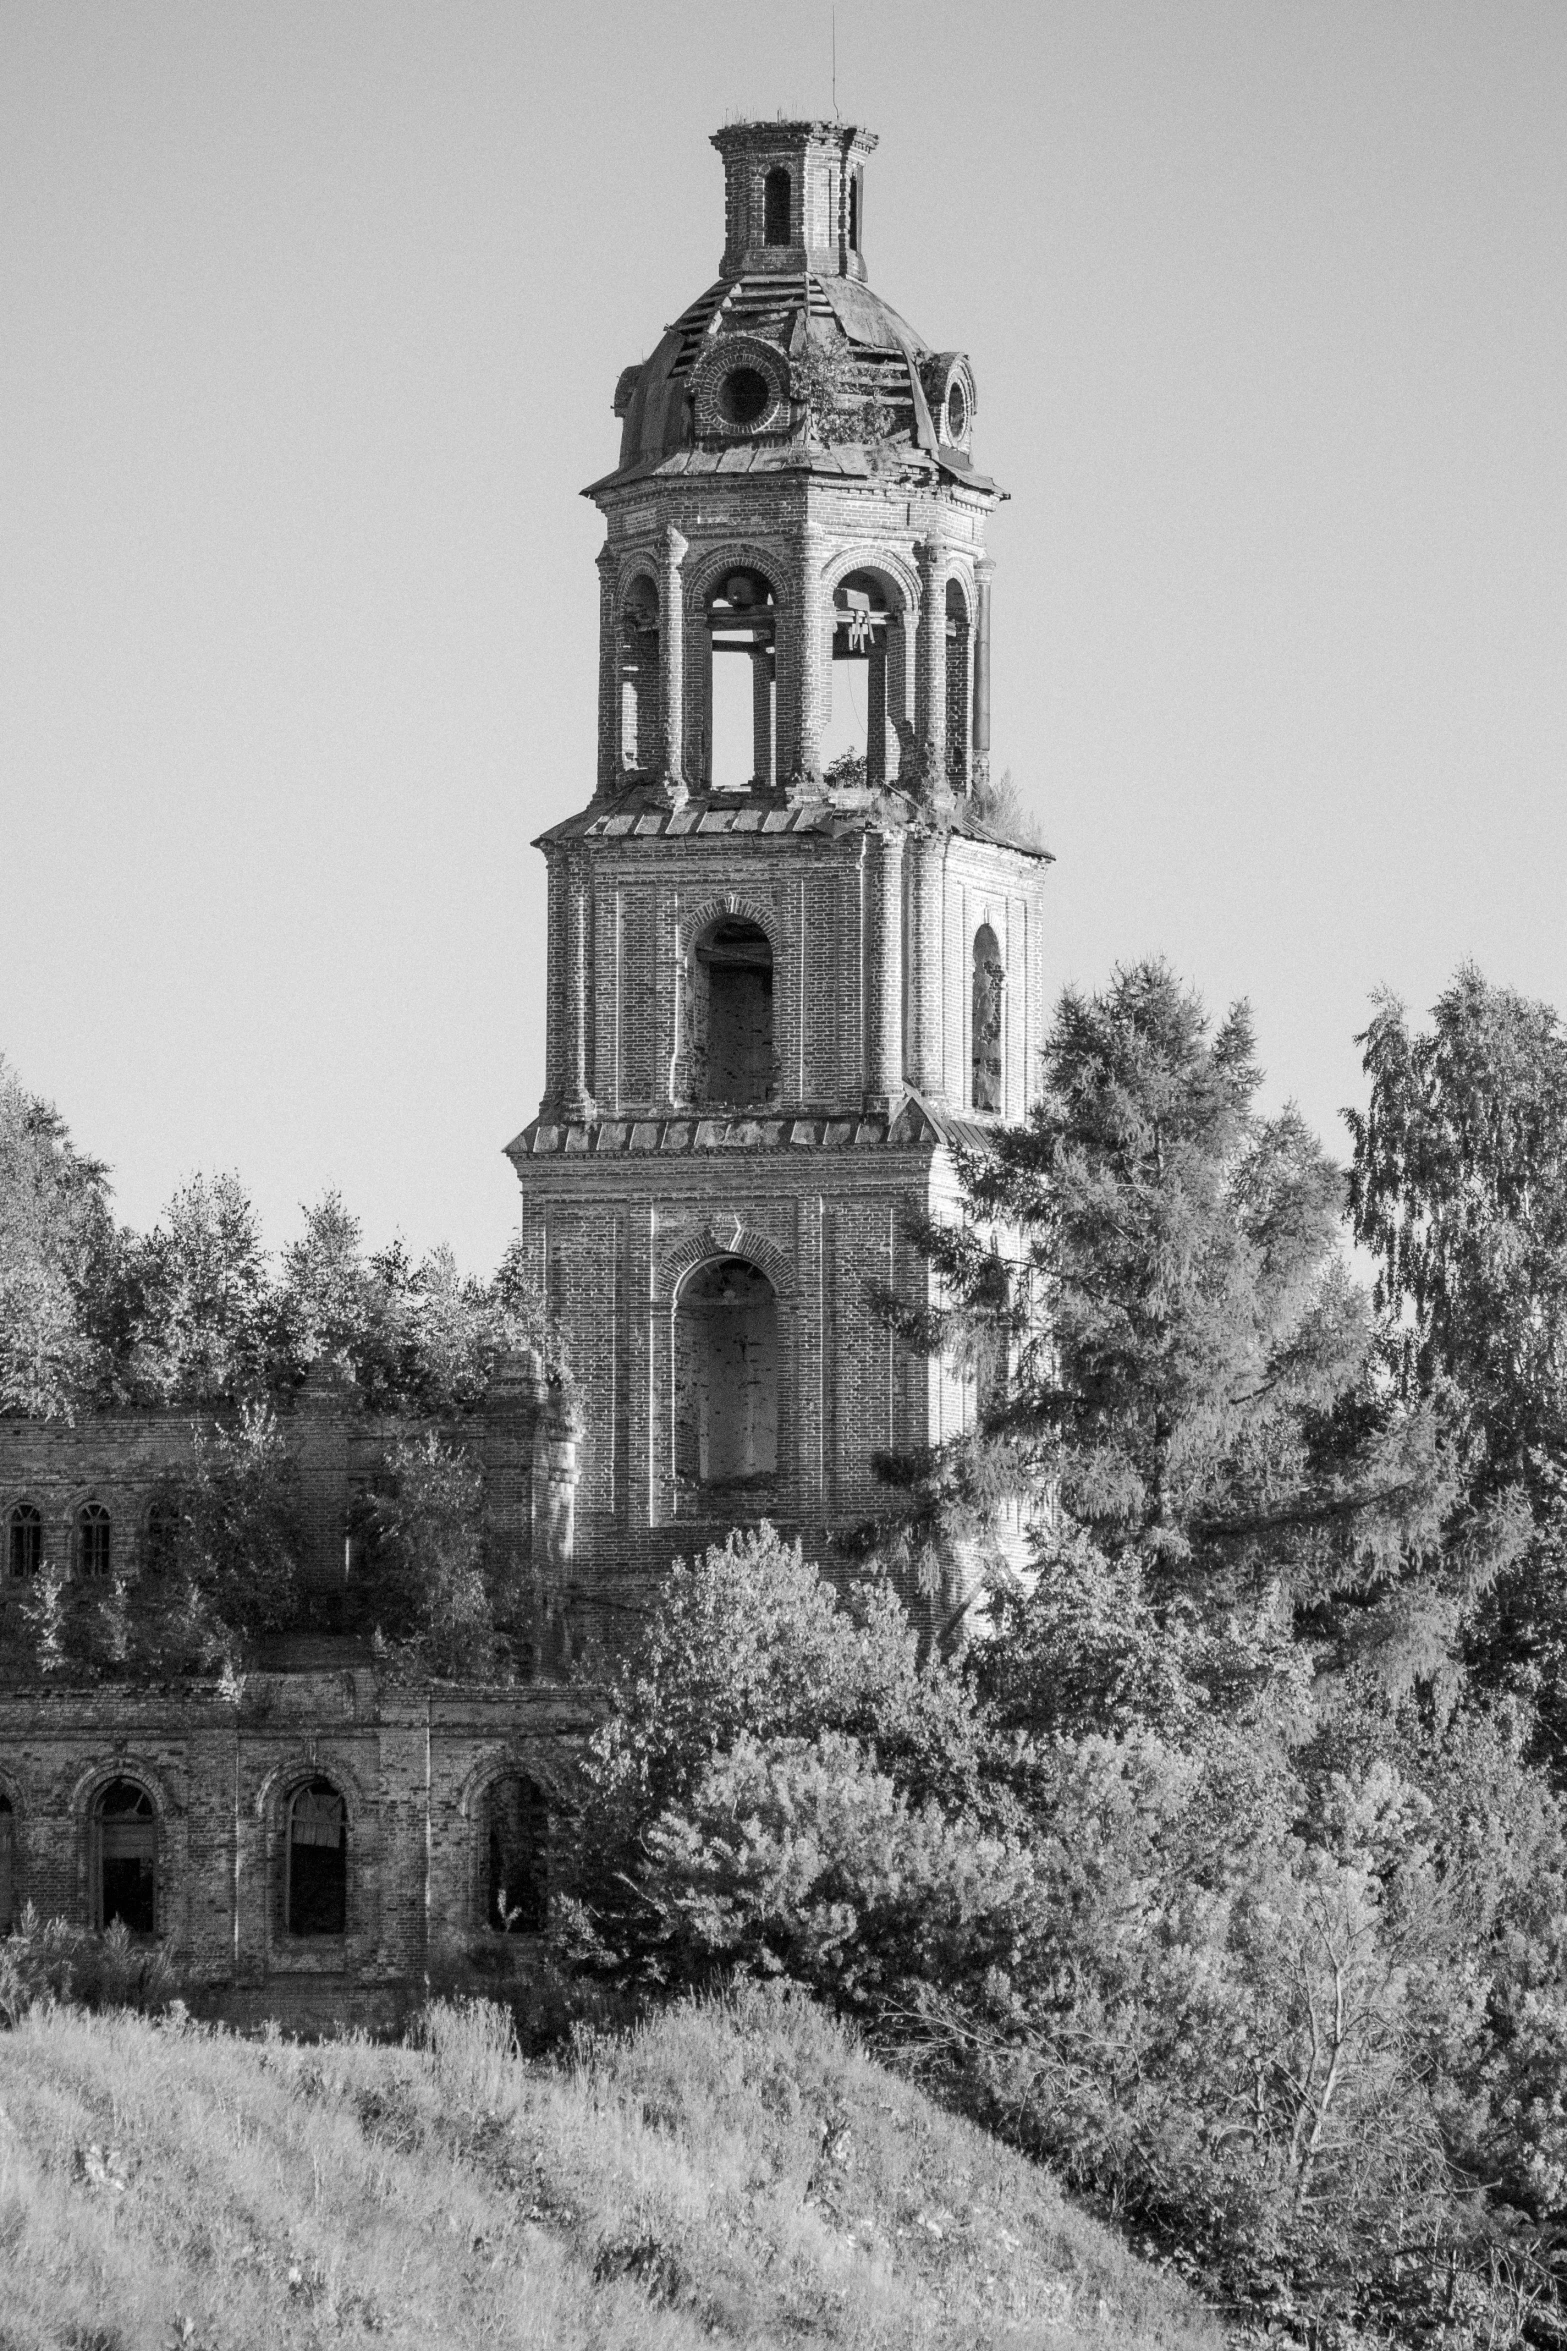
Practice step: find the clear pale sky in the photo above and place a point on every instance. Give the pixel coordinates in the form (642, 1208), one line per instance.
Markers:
(312, 315)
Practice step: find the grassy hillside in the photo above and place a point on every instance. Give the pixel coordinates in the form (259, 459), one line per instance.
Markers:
(735, 2173)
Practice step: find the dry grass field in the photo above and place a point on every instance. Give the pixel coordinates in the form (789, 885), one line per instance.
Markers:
(736, 2171)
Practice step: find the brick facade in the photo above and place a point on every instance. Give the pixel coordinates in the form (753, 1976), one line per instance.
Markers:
(777, 1004)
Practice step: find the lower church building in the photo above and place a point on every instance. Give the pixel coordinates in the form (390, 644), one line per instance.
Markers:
(791, 977)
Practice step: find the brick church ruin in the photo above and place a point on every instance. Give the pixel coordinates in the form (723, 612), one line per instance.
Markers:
(791, 965)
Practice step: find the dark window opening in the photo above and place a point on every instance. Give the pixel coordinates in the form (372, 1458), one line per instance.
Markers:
(364, 1524)
(775, 207)
(93, 1540)
(25, 1540)
(957, 686)
(7, 1866)
(957, 411)
(163, 1537)
(989, 979)
(734, 962)
(854, 212)
(127, 1829)
(517, 1858)
(639, 678)
(317, 1894)
(741, 688)
(854, 738)
(726, 1379)
(744, 395)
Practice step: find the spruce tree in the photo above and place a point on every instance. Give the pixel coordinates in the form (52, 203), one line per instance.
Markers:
(1195, 1409)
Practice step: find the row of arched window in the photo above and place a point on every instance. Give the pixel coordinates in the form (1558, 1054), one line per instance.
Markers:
(737, 723)
(733, 1050)
(123, 1859)
(92, 1540)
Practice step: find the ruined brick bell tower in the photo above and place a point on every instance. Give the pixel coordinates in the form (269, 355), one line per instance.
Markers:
(782, 982)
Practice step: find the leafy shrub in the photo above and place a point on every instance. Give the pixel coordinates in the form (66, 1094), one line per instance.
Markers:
(48, 1963)
(801, 1856)
(748, 1642)
(427, 1590)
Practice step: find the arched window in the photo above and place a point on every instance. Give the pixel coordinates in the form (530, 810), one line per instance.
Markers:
(734, 1013)
(93, 1541)
(726, 1380)
(316, 1895)
(989, 980)
(25, 1540)
(516, 1856)
(957, 687)
(125, 1829)
(854, 212)
(741, 688)
(854, 741)
(775, 207)
(7, 1866)
(639, 678)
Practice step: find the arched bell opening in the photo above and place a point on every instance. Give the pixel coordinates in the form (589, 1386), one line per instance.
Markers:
(639, 678)
(733, 1059)
(726, 1383)
(988, 1091)
(958, 730)
(740, 732)
(854, 738)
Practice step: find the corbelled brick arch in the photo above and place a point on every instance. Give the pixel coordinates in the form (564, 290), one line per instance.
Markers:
(723, 1239)
(702, 573)
(694, 919)
(310, 1759)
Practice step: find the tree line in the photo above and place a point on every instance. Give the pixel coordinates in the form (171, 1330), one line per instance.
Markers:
(197, 1315)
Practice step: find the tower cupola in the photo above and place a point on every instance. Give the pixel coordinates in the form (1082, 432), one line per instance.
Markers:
(797, 487)
(794, 197)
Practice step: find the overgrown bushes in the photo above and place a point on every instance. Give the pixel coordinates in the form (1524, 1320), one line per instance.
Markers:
(48, 1963)
(1303, 2023)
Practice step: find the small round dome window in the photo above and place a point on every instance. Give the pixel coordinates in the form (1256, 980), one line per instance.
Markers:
(957, 410)
(744, 395)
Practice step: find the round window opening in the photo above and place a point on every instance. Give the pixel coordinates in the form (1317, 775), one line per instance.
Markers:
(957, 412)
(744, 395)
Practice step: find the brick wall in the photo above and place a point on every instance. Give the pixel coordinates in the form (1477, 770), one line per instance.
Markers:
(117, 1458)
(413, 1769)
